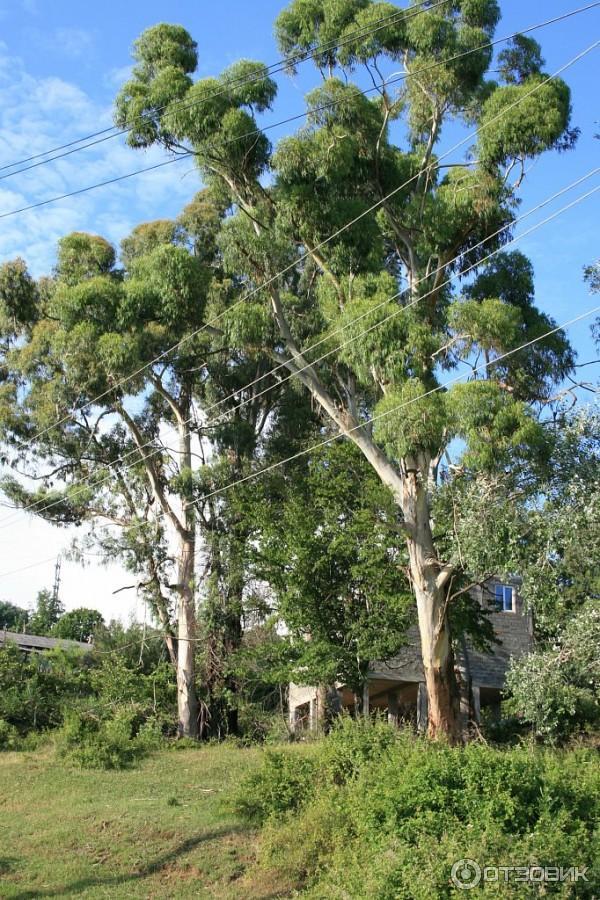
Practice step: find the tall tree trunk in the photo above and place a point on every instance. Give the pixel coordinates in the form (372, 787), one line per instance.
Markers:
(185, 529)
(429, 576)
(187, 701)
(430, 587)
(429, 582)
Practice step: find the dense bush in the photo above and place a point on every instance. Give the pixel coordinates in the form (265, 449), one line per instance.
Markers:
(9, 736)
(107, 742)
(126, 714)
(557, 690)
(392, 827)
(104, 709)
(284, 783)
(35, 689)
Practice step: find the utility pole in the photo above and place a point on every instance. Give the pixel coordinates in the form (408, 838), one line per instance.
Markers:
(56, 588)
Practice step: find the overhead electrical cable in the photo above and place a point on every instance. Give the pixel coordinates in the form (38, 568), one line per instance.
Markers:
(318, 246)
(137, 451)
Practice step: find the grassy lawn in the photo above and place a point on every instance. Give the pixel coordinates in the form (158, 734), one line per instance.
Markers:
(161, 830)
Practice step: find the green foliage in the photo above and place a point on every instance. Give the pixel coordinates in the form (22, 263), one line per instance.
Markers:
(557, 690)
(333, 555)
(525, 122)
(19, 298)
(147, 237)
(35, 689)
(394, 827)
(13, 618)
(417, 425)
(46, 613)
(172, 286)
(285, 782)
(305, 24)
(93, 742)
(82, 256)
(494, 425)
(521, 59)
(78, 624)
(163, 46)
(9, 736)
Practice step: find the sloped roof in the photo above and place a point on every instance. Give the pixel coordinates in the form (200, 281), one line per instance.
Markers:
(37, 642)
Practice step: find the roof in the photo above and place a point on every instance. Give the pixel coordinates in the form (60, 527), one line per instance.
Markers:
(36, 642)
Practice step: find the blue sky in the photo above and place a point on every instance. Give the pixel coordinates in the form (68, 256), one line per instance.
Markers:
(61, 63)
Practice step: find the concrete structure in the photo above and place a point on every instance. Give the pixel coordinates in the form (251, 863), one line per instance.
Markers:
(35, 643)
(397, 685)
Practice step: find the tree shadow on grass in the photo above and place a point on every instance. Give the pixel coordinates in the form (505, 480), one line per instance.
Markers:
(7, 864)
(158, 864)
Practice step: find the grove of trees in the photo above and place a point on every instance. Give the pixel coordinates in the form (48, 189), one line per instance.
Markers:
(142, 392)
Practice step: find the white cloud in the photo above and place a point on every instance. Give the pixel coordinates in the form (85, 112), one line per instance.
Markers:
(114, 78)
(66, 41)
(73, 42)
(37, 114)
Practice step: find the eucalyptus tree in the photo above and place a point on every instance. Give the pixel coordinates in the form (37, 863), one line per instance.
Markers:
(356, 151)
(90, 439)
(110, 458)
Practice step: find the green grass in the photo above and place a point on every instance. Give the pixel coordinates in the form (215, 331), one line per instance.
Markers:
(161, 830)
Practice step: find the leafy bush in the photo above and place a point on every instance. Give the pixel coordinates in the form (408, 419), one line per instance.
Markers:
(557, 690)
(34, 689)
(94, 742)
(400, 816)
(40, 691)
(9, 736)
(283, 783)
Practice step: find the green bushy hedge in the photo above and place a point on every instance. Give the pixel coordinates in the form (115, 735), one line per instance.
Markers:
(390, 819)
(115, 741)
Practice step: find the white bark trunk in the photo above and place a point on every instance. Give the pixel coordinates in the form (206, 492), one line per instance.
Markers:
(428, 577)
(428, 581)
(187, 703)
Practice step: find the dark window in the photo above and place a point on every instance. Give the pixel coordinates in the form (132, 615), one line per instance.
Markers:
(504, 596)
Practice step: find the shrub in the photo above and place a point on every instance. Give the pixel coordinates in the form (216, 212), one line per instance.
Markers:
(9, 736)
(557, 690)
(406, 810)
(285, 781)
(93, 742)
(34, 689)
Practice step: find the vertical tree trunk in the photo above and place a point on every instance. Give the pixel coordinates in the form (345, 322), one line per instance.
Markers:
(187, 702)
(430, 592)
(428, 582)
(409, 489)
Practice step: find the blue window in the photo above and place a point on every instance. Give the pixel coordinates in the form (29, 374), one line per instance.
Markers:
(504, 596)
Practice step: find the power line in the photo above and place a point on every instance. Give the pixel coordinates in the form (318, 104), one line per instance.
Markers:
(482, 367)
(369, 421)
(187, 155)
(305, 255)
(271, 69)
(4, 523)
(403, 309)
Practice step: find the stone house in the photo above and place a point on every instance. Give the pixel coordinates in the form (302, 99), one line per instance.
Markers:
(397, 685)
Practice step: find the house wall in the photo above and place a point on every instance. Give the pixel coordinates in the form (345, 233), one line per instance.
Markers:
(404, 672)
(513, 630)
